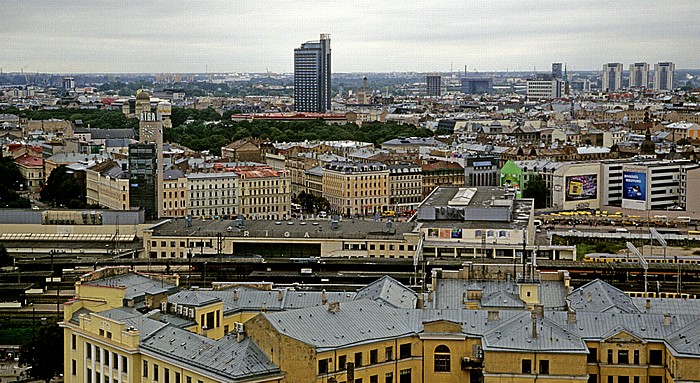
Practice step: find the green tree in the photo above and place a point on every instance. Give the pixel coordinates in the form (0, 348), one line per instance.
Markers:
(62, 189)
(44, 352)
(536, 188)
(10, 183)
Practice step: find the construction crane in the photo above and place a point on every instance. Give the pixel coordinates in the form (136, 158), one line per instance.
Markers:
(642, 261)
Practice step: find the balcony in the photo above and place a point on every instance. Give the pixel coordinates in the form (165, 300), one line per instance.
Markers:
(469, 363)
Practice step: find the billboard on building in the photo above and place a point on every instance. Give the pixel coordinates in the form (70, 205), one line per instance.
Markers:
(581, 187)
(634, 186)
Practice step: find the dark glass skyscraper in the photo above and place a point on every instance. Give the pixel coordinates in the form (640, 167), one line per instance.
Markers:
(312, 76)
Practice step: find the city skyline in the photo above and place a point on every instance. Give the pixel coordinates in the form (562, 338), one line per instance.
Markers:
(80, 36)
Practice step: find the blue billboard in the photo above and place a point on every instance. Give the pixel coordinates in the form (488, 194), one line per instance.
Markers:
(634, 186)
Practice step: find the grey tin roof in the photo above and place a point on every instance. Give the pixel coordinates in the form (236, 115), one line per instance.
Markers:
(356, 322)
(390, 291)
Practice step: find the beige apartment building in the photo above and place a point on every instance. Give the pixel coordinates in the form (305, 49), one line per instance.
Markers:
(356, 188)
(264, 192)
(175, 194)
(107, 185)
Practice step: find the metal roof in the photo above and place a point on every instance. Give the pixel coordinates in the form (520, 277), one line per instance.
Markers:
(226, 357)
(516, 334)
(390, 291)
(354, 322)
(600, 297)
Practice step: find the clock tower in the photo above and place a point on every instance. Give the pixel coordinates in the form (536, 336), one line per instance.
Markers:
(146, 166)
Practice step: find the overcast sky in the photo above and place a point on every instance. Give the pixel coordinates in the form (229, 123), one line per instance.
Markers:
(366, 35)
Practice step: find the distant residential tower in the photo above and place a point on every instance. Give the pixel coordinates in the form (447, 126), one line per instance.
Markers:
(663, 75)
(557, 70)
(433, 84)
(639, 75)
(612, 77)
(312, 76)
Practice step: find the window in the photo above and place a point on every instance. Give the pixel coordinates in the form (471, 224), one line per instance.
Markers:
(342, 362)
(188, 379)
(124, 364)
(177, 377)
(323, 366)
(166, 375)
(98, 353)
(358, 380)
(89, 375)
(623, 357)
(544, 367)
(636, 379)
(115, 360)
(73, 341)
(610, 358)
(526, 366)
(611, 379)
(405, 376)
(592, 355)
(655, 358)
(358, 359)
(155, 372)
(102, 332)
(389, 377)
(73, 367)
(374, 356)
(636, 357)
(655, 379)
(389, 353)
(374, 379)
(623, 379)
(442, 359)
(592, 378)
(145, 369)
(405, 351)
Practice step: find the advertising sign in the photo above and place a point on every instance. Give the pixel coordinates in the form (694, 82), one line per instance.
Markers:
(634, 186)
(581, 187)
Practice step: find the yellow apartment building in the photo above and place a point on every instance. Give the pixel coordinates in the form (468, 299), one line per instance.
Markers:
(356, 188)
(107, 185)
(133, 327)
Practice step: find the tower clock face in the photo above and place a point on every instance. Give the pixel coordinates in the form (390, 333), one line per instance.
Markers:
(149, 132)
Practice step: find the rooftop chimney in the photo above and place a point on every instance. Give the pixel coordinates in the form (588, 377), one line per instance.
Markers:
(534, 325)
(324, 300)
(420, 303)
(235, 295)
(667, 319)
(571, 317)
(279, 295)
(648, 305)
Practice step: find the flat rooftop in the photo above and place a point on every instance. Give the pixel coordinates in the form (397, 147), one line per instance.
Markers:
(455, 196)
(291, 229)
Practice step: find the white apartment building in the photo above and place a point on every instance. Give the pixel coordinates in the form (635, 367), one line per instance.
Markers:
(212, 194)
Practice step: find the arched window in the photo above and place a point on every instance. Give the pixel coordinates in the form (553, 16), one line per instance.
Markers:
(442, 358)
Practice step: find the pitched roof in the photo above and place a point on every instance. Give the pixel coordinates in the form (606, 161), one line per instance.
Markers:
(599, 296)
(516, 334)
(390, 291)
(361, 321)
(225, 357)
